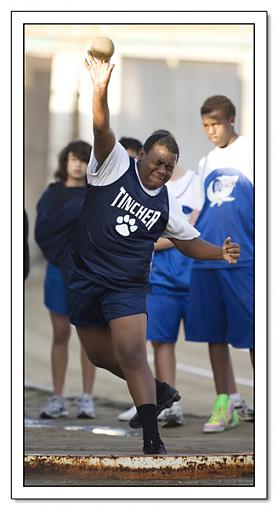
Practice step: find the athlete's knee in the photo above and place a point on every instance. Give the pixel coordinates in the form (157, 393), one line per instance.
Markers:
(131, 356)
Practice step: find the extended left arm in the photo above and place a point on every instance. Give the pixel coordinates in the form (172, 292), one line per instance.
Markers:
(199, 249)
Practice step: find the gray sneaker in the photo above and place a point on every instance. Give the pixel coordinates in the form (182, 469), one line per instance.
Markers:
(55, 408)
(173, 417)
(85, 406)
(244, 411)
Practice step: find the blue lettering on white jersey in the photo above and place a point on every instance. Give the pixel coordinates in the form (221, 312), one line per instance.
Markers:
(186, 209)
(227, 211)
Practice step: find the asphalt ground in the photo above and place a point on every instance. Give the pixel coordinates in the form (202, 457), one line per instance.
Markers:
(105, 435)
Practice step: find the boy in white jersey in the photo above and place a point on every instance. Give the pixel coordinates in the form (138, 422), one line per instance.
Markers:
(221, 301)
(126, 209)
(132, 146)
(168, 299)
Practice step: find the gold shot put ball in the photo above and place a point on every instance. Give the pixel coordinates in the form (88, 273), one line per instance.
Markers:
(102, 48)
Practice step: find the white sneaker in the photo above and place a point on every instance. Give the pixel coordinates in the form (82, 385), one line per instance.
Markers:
(55, 408)
(173, 417)
(161, 416)
(85, 406)
(128, 414)
(244, 410)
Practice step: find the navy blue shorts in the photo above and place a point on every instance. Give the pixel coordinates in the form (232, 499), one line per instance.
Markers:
(164, 316)
(56, 296)
(220, 308)
(93, 305)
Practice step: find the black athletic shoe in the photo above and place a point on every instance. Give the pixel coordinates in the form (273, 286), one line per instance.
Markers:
(154, 447)
(169, 396)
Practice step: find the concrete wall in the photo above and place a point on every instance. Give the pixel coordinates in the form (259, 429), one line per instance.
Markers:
(155, 96)
(37, 86)
(161, 77)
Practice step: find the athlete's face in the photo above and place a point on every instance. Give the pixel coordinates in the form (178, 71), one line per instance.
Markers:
(218, 128)
(157, 166)
(76, 169)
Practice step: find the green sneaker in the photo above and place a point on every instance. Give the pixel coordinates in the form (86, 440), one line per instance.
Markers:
(223, 416)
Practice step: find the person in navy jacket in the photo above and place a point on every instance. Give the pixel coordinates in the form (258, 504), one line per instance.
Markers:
(57, 212)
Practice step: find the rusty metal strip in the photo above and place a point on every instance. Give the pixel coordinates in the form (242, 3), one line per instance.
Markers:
(141, 468)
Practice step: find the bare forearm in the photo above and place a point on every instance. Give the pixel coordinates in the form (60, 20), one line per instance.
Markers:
(199, 249)
(104, 138)
(101, 122)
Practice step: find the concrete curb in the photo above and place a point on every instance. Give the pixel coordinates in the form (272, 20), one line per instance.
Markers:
(141, 468)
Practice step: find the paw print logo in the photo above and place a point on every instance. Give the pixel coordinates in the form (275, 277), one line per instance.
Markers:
(126, 225)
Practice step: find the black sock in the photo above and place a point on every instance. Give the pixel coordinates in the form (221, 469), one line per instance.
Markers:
(147, 413)
(160, 386)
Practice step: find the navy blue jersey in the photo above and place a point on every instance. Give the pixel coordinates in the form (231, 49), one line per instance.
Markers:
(57, 213)
(116, 231)
(119, 223)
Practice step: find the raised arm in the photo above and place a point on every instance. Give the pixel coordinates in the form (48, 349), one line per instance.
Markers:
(199, 249)
(104, 138)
